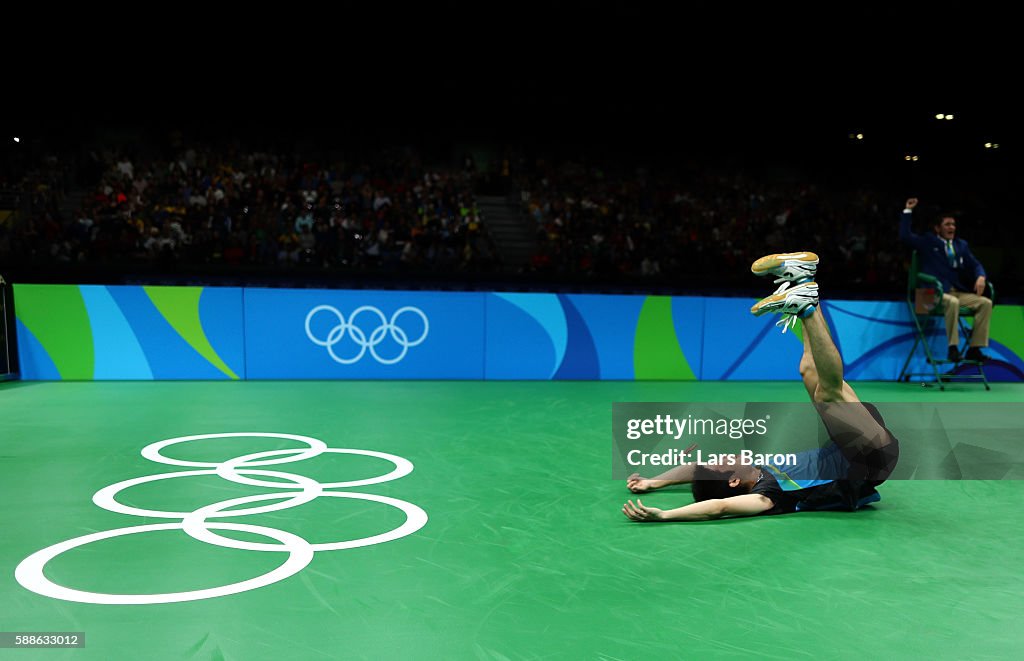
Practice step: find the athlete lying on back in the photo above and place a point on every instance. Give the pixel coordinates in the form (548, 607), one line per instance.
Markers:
(862, 452)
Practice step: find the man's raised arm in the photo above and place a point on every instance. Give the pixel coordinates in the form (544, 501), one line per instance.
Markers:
(907, 235)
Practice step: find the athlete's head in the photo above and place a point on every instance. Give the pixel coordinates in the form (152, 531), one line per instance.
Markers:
(709, 483)
(945, 226)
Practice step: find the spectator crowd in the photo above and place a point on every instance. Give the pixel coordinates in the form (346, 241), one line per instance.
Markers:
(708, 227)
(269, 213)
(255, 211)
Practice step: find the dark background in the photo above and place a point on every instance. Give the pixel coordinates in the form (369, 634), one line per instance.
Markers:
(770, 91)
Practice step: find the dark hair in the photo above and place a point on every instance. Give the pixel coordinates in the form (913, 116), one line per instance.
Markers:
(707, 485)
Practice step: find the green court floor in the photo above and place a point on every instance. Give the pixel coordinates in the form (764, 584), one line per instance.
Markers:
(525, 555)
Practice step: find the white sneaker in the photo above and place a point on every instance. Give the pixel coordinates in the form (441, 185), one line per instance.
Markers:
(791, 302)
(788, 266)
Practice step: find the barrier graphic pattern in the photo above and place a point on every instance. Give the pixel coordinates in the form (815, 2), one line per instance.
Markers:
(98, 332)
(92, 332)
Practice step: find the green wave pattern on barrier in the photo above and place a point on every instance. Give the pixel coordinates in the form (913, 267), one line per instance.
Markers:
(656, 352)
(56, 316)
(1007, 327)
(180, 307)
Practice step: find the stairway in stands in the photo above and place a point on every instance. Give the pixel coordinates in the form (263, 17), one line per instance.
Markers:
(512, 231)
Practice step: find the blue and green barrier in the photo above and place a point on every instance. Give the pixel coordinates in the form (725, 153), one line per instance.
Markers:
(85, 332)
(69, 332)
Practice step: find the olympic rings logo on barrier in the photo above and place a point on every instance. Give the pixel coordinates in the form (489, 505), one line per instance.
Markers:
(386, 327)
(301, 491)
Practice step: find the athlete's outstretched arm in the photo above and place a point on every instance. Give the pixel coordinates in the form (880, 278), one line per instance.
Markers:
(678, 475)
(746, 505)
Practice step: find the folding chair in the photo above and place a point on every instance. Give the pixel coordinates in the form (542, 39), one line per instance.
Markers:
(924, 299)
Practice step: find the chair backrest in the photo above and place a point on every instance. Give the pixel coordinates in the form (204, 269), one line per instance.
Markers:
(912, 275)
(924, 293)
(914, 282)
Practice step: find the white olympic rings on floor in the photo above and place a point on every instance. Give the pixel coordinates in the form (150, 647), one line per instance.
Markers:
(296, 490)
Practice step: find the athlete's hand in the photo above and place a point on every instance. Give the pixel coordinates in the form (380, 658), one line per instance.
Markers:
(640, 512)
(638, 484)
(911, 203)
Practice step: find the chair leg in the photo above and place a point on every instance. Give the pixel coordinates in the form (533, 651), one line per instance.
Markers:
(921, 338)
(981, 366)
(906, 364)
(928, 353)
(965, 333)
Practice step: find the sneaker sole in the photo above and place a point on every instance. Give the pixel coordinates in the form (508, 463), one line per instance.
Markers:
(766, 264)
(761, 306)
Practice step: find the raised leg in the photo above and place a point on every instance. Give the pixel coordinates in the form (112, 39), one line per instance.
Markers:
(808, 370)
(855, 427)
(827, 363)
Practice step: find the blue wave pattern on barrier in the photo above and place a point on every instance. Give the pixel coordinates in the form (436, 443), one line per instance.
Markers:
(168, 354)
(739, 346)
(876, 337)
(261, 333)
(118, 354)
(690, 322)
(33, 359)
(574, 337)
(518, 347)
(220, 309)
(130, 339)
(506, 349)
(165, 350)
(580, 360)
(611, 322)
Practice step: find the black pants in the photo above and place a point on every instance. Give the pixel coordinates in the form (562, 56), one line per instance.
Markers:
(870, 448)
